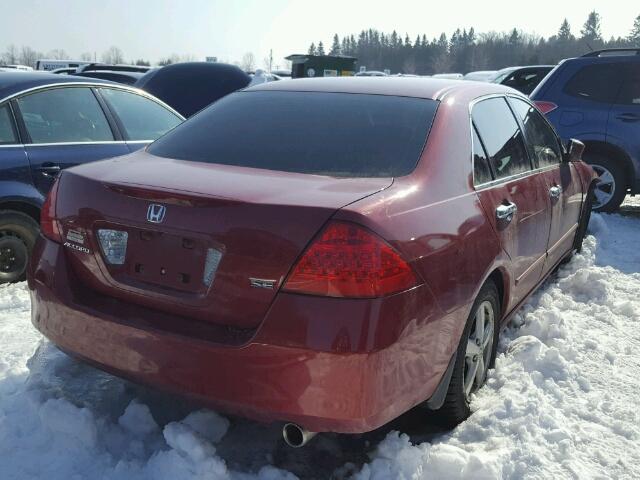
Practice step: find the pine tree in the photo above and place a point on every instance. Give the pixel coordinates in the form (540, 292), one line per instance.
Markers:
(634, 36)
(591, 28)
(564, 33)
(471, 37)
(336, 49)
(514, 37)
(312, 49)
(320, 50)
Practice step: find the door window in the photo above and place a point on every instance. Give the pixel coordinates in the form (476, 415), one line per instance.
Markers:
(598, 83)
(142, 118)
(501, 136)
(64, 115)
(630, 93)
(541, 138)
(481, 169)
(7, 132)
(526, 80)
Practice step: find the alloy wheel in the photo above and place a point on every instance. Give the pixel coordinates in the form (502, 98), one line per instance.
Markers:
(479, 348)
(13, 254)
(605, 188)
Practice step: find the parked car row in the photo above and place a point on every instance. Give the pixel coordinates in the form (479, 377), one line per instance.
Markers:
(306, 264)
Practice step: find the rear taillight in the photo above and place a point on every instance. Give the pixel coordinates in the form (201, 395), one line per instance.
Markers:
(545, 107)
(49, 225)
(347, 260)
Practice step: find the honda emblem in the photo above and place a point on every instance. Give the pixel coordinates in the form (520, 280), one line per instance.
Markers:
(155, 213)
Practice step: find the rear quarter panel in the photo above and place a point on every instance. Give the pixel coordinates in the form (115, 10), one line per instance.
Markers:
(434, 218)
(16, 182)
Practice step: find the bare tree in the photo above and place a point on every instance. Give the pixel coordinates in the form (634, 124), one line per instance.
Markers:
(57, 54)
(248, 62)
(175, 58)
(113, 56)
(28, 56)
(10, 55)
(87, 57)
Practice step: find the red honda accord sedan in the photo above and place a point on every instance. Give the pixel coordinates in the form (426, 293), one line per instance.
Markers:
(327, 252)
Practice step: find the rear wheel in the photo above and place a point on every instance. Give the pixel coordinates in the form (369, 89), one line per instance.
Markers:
(18, 233)
(475, 355)
(611, 187)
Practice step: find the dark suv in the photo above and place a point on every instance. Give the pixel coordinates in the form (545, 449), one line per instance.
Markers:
(596, 99)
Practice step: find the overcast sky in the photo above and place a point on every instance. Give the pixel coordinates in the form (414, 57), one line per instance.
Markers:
(152, 29)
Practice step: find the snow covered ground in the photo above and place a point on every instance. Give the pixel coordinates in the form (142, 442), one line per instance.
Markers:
(562, 401)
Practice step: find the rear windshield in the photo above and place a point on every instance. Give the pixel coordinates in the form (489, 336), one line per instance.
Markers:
(334, 134)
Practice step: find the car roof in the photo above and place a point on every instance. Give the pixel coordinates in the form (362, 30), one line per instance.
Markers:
(12, 83)
(418, 87)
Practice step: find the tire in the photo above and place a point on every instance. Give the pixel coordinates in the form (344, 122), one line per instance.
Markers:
(456, 404)
(18, 234)
(612, 185)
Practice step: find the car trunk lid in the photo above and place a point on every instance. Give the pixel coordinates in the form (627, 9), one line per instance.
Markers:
(241, 227)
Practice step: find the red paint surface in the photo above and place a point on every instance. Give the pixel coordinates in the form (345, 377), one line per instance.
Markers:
(345, 365)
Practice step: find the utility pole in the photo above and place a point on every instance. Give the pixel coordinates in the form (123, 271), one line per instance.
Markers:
(270, 59)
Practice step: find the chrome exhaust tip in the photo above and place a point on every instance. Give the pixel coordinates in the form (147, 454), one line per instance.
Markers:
(296, 436)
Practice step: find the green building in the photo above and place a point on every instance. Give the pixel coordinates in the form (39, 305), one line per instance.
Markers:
(309, 66)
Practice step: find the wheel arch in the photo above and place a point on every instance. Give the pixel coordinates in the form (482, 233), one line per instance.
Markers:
(500, 278)
(23, 207)
(614, 153)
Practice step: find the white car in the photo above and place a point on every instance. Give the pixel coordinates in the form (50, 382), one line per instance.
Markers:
(480, 75)
(10, 68)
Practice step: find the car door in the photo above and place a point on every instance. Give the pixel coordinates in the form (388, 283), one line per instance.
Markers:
(624, 116)
(560, 178)
(14, 166)
(140, 118)
(515, 200)
(63, 127)
(586, 100)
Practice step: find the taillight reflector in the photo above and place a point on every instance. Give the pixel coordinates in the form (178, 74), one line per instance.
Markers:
(545, 107)
(347, 260)
(49, 225)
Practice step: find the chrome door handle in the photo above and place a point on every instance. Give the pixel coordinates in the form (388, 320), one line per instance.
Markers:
(49, 169)
(628, 117)
(506, 211)
(555, 191)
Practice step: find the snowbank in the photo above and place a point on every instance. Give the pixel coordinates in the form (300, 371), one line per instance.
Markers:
(561, 402)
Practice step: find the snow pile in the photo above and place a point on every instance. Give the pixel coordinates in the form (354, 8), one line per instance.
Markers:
(561, 402)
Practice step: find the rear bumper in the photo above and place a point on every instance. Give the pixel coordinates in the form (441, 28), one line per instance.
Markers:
(346, 388)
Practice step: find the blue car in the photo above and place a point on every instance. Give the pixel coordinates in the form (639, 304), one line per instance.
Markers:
(51, 122)
(596, 99)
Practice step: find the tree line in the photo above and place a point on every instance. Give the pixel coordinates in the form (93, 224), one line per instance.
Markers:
(25, 55)
(465, 50)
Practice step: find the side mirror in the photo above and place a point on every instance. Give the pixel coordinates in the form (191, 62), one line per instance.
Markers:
(575, 148)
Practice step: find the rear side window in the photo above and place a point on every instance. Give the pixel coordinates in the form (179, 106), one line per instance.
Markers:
(7, 132)
(501, 136)
(142, 118)
(540, 136)
(64, 115)
(630, 93)
(481, 169)
(598, 83)
(526, 80)
(335, 134)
